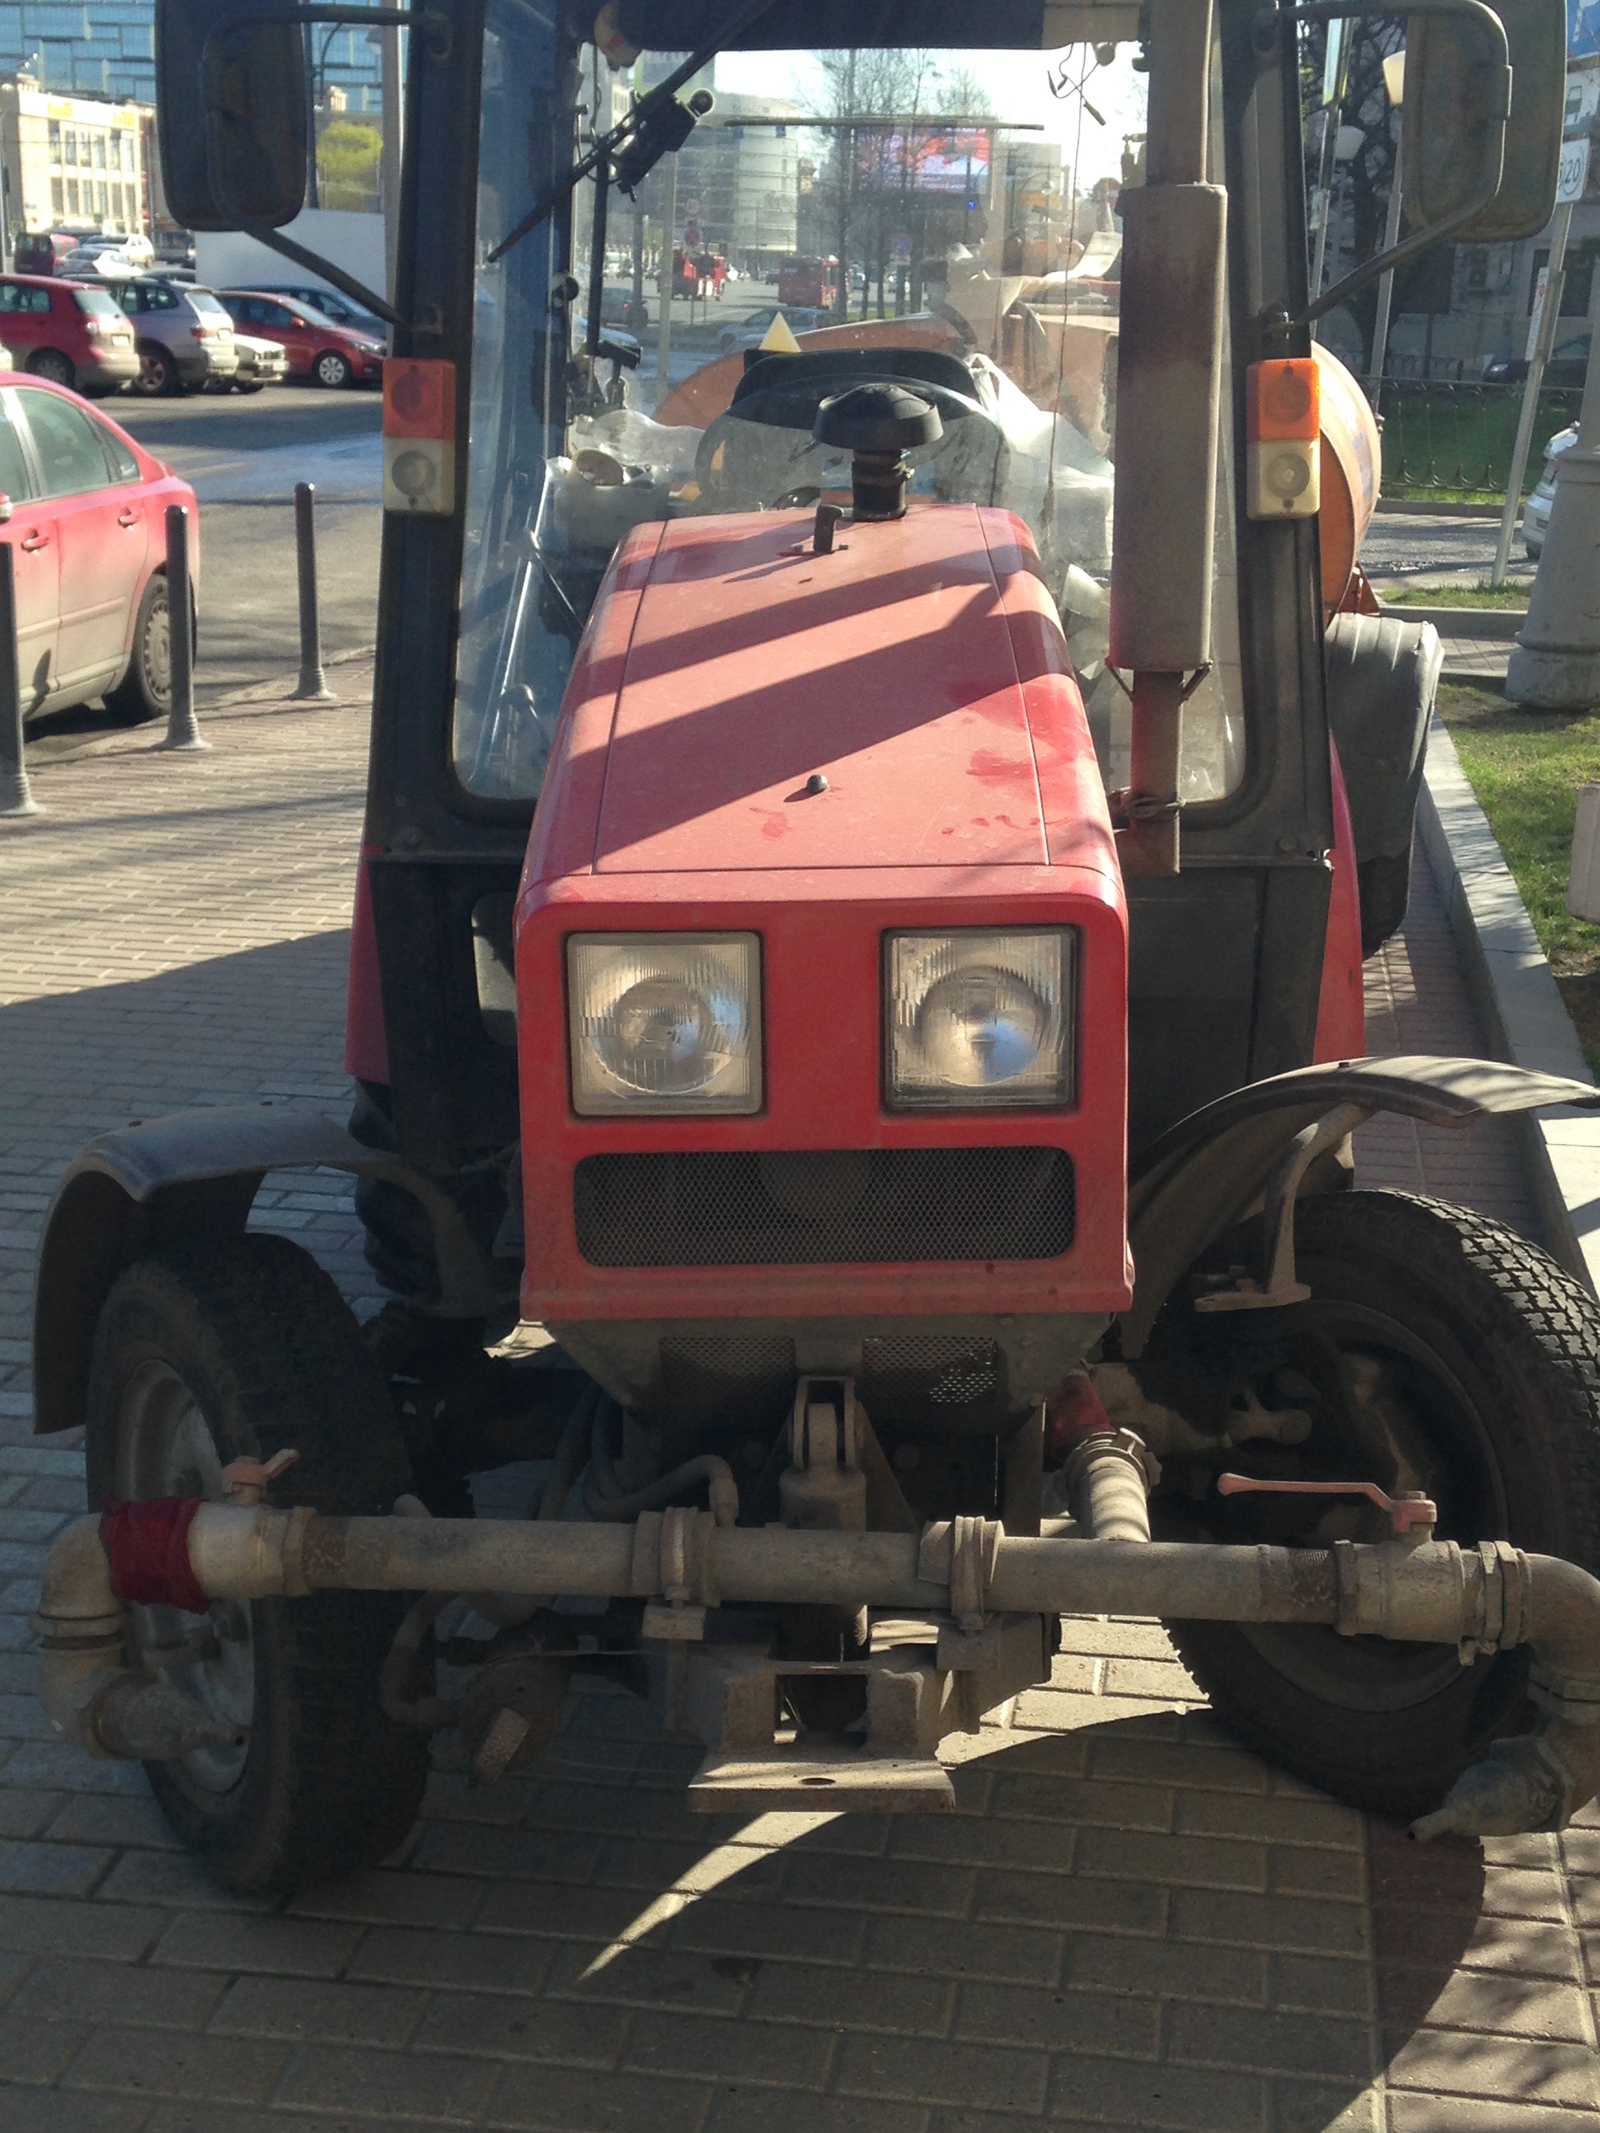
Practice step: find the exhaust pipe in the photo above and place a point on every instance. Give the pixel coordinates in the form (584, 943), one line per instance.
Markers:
(1482, 1600)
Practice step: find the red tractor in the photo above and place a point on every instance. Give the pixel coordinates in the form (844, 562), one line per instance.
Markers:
(855, 1008)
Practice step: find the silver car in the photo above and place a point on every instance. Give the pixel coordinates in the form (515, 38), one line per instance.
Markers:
(184, 335)
(1536, 511)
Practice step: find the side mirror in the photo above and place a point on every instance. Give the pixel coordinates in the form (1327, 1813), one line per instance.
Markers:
(6, 508)
(1450, 116)
(246, 159)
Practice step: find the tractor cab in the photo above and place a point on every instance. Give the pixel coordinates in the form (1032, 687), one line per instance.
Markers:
(855, 985)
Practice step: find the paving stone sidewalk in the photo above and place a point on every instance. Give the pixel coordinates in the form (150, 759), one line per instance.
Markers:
(1129, 1922)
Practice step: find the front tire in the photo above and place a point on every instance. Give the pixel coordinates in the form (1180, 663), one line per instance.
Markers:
(1438, 1352)
(331, 370)
(217, 1350)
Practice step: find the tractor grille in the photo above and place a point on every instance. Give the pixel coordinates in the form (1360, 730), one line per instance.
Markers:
(824, 1208)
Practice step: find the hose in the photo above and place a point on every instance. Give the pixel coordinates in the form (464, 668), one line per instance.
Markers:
(603, 1498)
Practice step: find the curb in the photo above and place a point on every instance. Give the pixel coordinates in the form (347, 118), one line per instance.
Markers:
(1432, 507)
(1524, 1017)
(1461, 621)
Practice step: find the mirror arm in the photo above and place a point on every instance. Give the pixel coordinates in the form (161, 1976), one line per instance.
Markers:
(303, 256)
(606, 146)
(1269, 19)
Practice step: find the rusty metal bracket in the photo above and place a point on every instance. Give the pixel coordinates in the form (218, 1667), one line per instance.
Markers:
(1279, 1284)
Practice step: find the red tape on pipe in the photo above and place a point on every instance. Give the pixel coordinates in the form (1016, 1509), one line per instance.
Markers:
(147, 1545)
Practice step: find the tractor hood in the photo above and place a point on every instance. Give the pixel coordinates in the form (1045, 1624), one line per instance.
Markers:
(742, 703)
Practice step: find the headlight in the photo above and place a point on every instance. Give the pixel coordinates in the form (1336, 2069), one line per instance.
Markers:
(664, 1022)
(980, 1019)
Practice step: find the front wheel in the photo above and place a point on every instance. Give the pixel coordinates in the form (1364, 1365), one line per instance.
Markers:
(211, 1351)
(1439, 1352)
(332, 370)
(145, 691)
(158, 374)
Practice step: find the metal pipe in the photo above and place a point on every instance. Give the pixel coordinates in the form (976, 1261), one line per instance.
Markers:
(183, 729)
(605, 1498)
(1482, 1600)
(1538, 356)
(312, 687)
(16, 796)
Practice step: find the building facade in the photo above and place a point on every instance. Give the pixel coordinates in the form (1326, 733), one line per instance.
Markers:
(74, 162)
(107, 47)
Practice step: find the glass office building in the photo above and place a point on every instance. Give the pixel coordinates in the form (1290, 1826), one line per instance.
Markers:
(106, 48)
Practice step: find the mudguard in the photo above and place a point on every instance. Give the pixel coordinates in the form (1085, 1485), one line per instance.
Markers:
(1205, 1172)
(193, 1173)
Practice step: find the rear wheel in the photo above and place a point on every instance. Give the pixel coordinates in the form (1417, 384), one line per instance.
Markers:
(145, 691)
(158, 374)
(332, 370)
(52, 365)
(1438, 1352)
(209, 1352)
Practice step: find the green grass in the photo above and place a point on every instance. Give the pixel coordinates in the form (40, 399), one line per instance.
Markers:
(1526, 768)
(1480, 595)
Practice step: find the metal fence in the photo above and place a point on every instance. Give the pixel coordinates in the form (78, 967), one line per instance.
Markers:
(1456, 440)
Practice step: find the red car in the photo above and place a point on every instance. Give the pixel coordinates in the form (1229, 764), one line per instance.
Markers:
(82, 508)
(317, 347)
(67, 332)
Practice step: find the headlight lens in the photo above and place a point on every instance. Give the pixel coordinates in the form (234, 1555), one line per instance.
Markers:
(664, 1022)
(980, 1019)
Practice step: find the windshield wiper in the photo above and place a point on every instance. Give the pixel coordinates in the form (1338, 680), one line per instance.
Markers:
(657, 124)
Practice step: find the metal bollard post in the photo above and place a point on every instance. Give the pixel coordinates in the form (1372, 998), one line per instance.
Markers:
(312, 687)
(15, 797)
(183, 731)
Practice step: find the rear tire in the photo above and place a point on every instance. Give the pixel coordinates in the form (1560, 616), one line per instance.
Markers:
(158, 374)
(1445, 1353)
(51, 365)
(145, 691)
(215, 1350)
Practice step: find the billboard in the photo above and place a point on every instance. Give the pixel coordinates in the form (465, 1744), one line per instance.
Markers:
(947, 159)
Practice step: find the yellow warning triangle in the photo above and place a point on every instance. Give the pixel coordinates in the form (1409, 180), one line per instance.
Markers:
(779, 340)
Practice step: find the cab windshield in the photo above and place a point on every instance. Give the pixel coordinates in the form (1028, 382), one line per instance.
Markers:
(947, 220)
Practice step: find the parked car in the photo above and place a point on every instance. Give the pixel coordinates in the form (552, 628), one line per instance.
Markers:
(1536, 511)
(42, 251)
(260, 363)
(1568, 365)
(137, 250)
(314, 345)
(66, 332)
(82, 509)
(343, 310)
(617, 308)
(748, 332)
(185, 337)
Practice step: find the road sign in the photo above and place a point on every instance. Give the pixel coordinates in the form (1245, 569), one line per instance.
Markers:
(902, 248)
(692, 209)
(692, 234)
(1574, 171)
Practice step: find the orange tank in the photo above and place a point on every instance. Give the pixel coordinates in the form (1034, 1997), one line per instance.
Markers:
(1352, 460)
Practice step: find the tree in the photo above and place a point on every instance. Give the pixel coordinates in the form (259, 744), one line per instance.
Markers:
(1361, 187)
(348, 156)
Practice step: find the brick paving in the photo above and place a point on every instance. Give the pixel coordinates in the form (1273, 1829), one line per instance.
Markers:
(1130, 1921)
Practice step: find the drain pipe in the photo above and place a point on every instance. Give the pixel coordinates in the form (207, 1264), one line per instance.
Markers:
(1482, 1600)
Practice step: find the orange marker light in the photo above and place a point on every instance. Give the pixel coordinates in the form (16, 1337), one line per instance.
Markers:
(419, 436)
(1283, 449)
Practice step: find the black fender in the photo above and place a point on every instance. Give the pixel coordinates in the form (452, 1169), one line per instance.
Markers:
(197, 1173)
(1204, 1173)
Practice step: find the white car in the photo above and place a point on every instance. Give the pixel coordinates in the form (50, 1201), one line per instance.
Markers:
(260, 363)
(1536, 511)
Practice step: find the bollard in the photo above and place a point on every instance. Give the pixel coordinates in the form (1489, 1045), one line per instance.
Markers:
(183, 730)
(312, 687)
(15, 797)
